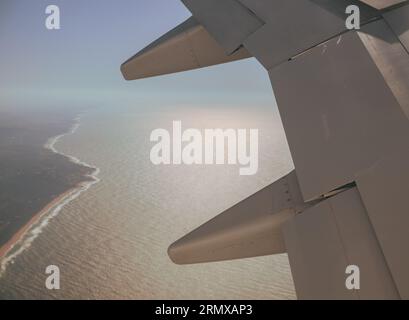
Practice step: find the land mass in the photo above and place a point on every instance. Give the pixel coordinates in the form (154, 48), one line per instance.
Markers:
(31, 176)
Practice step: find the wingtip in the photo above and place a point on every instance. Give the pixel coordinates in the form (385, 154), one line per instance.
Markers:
(124, 73)
(173, 251)
(239, 232)
(187, 47)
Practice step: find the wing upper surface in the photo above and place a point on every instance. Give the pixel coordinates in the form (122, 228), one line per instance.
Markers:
(344, 100)
(188, 46)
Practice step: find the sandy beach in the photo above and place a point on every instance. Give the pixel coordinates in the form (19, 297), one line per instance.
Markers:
(34, 220)
(59, 178)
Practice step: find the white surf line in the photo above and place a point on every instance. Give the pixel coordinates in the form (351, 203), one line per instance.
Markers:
(37, 228)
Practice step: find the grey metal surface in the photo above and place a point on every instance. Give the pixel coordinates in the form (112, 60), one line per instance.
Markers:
(250, 228)
(338, 113)
(227, 21)
(327, 238)
(316, 255)
(344, 101)
(381, 4)
(384, 188)
(295, 26)
(266, 9)
(188, 46)
(338, 7)
(362, 247)
(398, 20)
(390, 57)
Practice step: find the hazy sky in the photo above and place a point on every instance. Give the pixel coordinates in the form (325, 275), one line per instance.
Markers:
(81, 61)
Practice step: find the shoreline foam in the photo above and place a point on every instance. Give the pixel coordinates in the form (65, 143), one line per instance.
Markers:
(23, 238)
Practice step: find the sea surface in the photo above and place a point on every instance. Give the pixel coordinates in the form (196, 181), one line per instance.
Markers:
(110, 239)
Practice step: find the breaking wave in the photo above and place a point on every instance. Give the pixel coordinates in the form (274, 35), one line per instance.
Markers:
(45, 217)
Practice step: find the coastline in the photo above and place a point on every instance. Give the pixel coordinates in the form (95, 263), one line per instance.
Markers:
(24, 237)
(6, 248)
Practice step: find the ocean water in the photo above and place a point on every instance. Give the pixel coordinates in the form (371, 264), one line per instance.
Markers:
(110, 241)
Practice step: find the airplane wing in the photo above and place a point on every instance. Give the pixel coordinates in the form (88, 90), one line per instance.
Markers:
(347, 202)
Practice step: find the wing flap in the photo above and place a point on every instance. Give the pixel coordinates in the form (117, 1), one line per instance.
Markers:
(385, 192)
(325, 239)
(228, 21)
